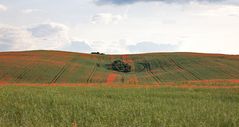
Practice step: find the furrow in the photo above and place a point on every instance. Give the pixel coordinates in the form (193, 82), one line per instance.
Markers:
(182, 68)
(59, 74)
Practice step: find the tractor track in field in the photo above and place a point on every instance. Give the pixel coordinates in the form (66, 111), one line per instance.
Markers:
(147, 66)
(182, 68)
(141, 70)
(154, 76)
(161, 66)
(59, 74)
(89, 80)
(226, 72)
(21, 76)
(229, 74)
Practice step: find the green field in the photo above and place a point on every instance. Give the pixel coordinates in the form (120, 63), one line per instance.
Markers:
(117, 107)
(65, 67)
(39, 89)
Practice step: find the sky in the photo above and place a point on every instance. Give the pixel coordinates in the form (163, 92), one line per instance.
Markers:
(120, 26)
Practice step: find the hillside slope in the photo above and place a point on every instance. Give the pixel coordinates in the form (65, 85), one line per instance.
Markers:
(155, 68)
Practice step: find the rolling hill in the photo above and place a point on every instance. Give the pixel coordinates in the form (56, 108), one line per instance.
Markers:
(52, 67)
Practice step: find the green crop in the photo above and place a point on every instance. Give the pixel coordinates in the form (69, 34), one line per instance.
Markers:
(118, 107)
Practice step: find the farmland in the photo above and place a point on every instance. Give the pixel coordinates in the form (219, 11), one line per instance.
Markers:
(54, 67)
(65, 89)
(117, 107)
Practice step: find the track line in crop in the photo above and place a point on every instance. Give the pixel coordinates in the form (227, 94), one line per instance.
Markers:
(162, 65)
(150, 73)
(59, 74)
(89, 80)
(182, 68)
(20, 76)
(226, 71)
(97, 65)
(154, 76)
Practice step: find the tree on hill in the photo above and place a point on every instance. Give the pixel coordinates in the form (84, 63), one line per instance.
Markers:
(121, 66)
(97, 53)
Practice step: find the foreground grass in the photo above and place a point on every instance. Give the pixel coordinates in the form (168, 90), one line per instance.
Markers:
(71, 106)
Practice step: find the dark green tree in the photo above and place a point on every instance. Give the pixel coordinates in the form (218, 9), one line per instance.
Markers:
(121, 66)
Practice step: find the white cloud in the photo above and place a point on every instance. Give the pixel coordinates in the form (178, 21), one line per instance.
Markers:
(48, 29)
(107, 18)
(2, 8)
(29, 11)
(116, 47)
(53, 35)
(15, 38)
(78, 46)
(126, 2)
(221, 10)
(200, 26)
(144, 47)
(41, 36)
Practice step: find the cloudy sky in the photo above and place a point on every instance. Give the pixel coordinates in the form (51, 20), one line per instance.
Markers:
(120, 26)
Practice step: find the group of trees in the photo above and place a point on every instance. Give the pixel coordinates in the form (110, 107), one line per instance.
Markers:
(121, 66)
(117, 65)
(97, 53)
